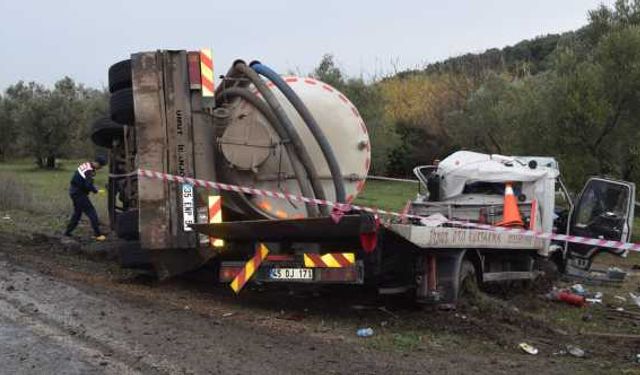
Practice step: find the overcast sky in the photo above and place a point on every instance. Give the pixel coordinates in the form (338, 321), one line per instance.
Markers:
(48, 39)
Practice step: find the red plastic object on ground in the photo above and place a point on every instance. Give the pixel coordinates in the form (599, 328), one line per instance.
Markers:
(571, 299)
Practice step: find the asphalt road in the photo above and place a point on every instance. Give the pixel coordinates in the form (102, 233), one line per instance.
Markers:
(62, 313)
(49, 326)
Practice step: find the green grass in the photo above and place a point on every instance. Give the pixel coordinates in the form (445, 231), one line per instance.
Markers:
(49, 187)
(388, 195)
(49, 207)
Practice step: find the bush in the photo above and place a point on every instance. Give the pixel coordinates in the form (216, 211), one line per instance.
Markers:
(14, 194)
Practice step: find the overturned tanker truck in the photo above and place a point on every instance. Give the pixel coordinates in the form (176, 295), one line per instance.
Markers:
(294, 137)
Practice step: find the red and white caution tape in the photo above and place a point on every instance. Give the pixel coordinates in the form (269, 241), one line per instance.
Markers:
(346, 207)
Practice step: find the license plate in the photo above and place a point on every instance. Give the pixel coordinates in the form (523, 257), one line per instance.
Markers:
(188, 209)
(291, 274)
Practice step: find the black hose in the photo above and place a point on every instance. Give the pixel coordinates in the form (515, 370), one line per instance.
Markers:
(233, 78)
(263, 108)
(300, 150)
(318, 134)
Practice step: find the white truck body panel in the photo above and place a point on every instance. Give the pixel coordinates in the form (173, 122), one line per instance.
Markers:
(460, 238)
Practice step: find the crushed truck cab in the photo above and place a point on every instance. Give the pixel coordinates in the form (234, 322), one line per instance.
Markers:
(470, 186)
(275, 139)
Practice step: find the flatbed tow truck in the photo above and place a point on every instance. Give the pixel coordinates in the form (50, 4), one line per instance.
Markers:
(298, 136)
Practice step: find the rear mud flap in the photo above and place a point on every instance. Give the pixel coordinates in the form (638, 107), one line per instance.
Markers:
(448, 278)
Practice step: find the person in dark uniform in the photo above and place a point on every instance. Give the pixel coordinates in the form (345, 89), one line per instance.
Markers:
(79, 189)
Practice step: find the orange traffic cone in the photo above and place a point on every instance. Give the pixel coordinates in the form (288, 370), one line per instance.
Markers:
(510, 213)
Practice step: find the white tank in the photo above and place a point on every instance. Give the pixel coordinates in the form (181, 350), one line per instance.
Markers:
(256, 156)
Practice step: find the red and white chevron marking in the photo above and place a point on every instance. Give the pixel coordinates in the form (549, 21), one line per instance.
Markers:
(346, 207)
(206, 72)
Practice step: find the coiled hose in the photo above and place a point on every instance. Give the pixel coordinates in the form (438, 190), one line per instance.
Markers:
(240, 68)
(263, 108)
(318, 134)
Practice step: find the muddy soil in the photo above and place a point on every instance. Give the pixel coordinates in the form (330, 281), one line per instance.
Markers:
(63, 311)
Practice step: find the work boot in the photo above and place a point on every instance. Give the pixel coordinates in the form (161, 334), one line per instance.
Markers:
(100, 238)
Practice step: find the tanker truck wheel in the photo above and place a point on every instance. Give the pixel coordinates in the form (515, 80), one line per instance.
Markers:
(127, 225)
(468, 282)
(122, 106)
(120, 76)
(104, 131)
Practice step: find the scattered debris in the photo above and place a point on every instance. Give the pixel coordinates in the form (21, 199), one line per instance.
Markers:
(446, 306)
(620, 298)
(629, 314)
(365, 332)
(6, 217)
(559, 331)
(566, 297)
(528, 348)
(385, 310)
(595, 276)
(616, 273)
(578, 289)
(598, 295)
(560, 352)
(434, 220)
(575, 351)
(227, 314)
(587, 317)
(613, 335)
(296, 317)
(635, 298)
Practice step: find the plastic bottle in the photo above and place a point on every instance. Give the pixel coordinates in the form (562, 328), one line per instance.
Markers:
(365, 332)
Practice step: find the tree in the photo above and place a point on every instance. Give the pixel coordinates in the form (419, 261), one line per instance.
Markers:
(328, 72)
(93, 104)
(594, 107)
(7, 129)
(485, 120)
(418, 107)
(46, 118)
(605, 20)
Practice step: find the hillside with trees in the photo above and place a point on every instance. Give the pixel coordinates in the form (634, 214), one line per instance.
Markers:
(574, 96)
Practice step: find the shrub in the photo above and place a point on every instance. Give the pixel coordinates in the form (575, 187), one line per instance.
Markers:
(14, 194)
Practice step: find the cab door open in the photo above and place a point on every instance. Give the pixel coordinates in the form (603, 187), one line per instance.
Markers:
(603, 210)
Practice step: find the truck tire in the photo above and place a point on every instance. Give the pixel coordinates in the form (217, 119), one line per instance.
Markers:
(468, 281)
(127, 225)
(104, 131)
(131, 255)
(120, 76)
(122, 107)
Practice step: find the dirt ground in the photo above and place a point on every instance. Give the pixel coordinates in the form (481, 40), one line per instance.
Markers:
(68, 308)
